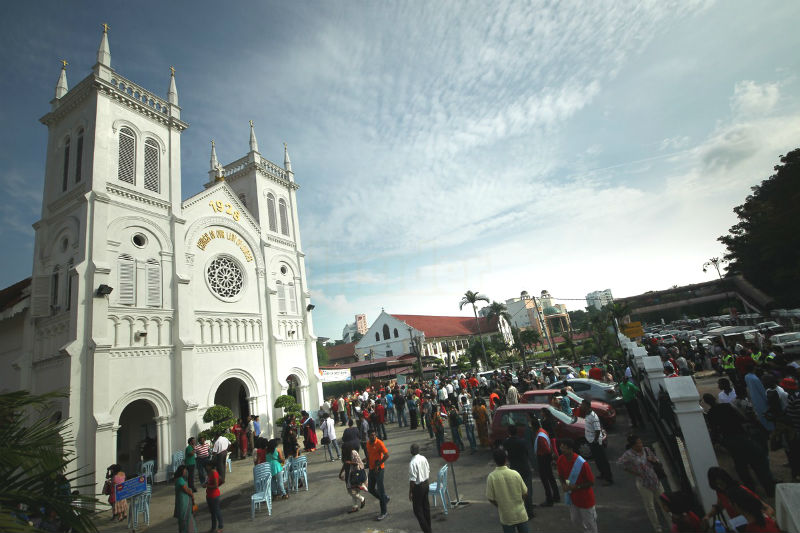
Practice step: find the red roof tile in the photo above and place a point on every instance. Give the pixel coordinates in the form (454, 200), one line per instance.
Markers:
(448, 326)
(12, 294)
(341, 351)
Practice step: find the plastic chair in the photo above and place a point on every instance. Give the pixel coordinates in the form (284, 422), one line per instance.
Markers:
(439, 487)
(299, 468)
(260, 472)
(177, 460)
(229, 463)
(147, 470)
(263, 494)
(140, 504)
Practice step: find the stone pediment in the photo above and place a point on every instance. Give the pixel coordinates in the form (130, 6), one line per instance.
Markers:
(220, 195)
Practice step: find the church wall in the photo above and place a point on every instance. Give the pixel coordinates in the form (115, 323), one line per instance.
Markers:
(11, 348)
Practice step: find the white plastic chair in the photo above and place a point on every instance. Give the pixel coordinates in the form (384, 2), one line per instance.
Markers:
(177, 460)
(299, 468)
(439, 488)
(263, 494)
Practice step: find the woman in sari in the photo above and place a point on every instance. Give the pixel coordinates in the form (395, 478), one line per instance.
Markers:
(309, 432)
(481, 422)
(351, 463)
(184, 502)
(241, 437)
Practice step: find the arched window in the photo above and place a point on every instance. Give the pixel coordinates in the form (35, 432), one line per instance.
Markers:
(126, 279)
(273, 221)
(65, 176)
(127, 156)
(385, 332)
(281, 296)
(54, 288)
(284, 217)
(151, 166)
(79, 157)
(395, 333)
(377, 336)
(153, 283)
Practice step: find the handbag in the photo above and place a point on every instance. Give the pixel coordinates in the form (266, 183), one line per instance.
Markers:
(325, 440)
(658, 468)
(357, 477)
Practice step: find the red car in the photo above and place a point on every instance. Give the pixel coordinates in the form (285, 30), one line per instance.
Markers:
(605, 411)
(566, 427)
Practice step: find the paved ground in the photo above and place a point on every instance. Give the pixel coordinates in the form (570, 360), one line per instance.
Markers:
(323, 507)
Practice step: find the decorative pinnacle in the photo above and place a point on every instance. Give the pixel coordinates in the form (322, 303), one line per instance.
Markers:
(61, 86)
(106, 27)
(172, 71)
(64, 64)
(172, 92)
(253, 141)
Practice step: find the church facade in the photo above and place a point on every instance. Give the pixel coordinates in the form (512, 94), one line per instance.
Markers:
(146, 308)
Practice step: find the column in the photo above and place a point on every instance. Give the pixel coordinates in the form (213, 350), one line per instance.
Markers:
(699, 450)
(164, 447)
(105, 452)
(654, 370)
(252, 402)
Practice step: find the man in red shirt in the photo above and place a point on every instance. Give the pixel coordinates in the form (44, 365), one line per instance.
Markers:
(544, 459)
(473, 382)
(380, 419)
(596, 373)
(577, 481)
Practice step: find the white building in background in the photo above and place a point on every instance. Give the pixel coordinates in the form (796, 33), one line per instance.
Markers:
(598, 299)
(148, 309)
(358, 326)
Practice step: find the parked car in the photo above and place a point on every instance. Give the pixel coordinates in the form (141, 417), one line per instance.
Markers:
(605, 411)
(769, 327)
(565, 370)
(567, 427)
(591, 389)
(788, 342)
(668, 339)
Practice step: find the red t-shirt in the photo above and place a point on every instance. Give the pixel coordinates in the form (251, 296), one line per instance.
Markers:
(769, 527)
(261, 456)
(596, 373)
(380, 410)
(583, 498)
(213, 479)
(725, 502)
(473, 382)
(462, 383)
(543, 446)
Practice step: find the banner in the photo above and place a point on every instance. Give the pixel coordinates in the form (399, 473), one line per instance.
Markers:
(328, 375)
(130, 488)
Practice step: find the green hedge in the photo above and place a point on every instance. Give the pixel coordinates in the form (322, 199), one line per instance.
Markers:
(335, 388)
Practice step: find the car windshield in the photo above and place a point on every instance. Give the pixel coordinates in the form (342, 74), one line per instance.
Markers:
(518, 418)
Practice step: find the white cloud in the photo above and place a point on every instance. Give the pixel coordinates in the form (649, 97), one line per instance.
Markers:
(674, 143)
(753, 99)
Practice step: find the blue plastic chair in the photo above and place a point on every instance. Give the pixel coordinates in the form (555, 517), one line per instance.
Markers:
(148, 467)
(298, 469)
(439, 488)
(261, 471)
(140, 504)
(263, 494)
(177, 460)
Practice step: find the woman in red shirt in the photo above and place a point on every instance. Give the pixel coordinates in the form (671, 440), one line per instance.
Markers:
(752, 509)
(213, 497)
(723, 483)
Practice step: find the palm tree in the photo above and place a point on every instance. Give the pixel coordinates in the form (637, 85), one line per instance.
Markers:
(529, 337)
(569, 342)
(497, 309)
(617, 311)
(472, 298)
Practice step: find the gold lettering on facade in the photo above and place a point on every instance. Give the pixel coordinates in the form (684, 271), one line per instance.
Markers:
(210, 235)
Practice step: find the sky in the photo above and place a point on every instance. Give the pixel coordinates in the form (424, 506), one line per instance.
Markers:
(445, 146)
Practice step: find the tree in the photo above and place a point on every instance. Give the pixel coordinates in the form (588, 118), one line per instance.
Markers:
(764, 246)
(530, 337)
(579, 320)
(221, 419)
(289, 405)
(357, 337)
(472, 298)
(37, 467)
(617, 311)
(569, 342)
(497, 309)
(322, 354)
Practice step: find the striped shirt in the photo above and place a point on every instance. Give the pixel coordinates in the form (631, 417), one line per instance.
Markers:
(466, 414)
(201, 450)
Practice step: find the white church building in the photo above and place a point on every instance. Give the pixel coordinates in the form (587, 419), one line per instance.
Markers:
(146, 308)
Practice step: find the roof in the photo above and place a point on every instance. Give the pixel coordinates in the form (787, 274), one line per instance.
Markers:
(380, 361)
(341, 351)
(14, 294)
(448, 326)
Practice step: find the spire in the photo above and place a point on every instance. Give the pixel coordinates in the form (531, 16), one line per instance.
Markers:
(220, 174)
(214, 162)
(61, 86)
(172, 93)
(104, 53)
(287, 163)
(253, 141)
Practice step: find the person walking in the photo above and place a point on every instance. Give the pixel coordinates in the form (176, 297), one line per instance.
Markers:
(251, 433)
(390, 407)
(629, 391)
(379, 420)
(577, 481)
(469, 423)
(377, 454)
(506, 490)
(184, 502)
(329, 439)
(481, 416)
(418, 473)
(518, 459)
(544, 462)
(455, 422)
(400, 407)
(642, 462)
(220, 450)
(202, 454)
(411, 404)
(438, 430)
(353, 474)
(190, 460)
(342, 410)
(363, 432)
(593, 435)
(214, 497)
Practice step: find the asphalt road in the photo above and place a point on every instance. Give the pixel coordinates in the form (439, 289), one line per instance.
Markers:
(323, 508)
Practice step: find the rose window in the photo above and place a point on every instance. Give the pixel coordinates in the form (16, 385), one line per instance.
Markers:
(225, 277)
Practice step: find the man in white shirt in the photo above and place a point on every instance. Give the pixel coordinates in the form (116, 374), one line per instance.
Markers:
(251, 429)
(329, 431)
(592, 433)
(418, 473)
(726, 392)
(512, 395)
(220, 451)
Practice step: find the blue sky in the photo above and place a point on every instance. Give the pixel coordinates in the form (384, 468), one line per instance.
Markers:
(445, 146)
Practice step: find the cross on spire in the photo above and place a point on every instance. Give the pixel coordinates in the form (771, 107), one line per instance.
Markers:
(172, 70)
(64, 63)
(106, 27)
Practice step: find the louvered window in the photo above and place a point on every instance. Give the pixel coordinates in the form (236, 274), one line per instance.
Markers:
(127, 280)
(40, 296)
(54, 288)
(79, 157)
(151, 170)
(281, 296)
(153, 283)
(65, 176)
(273, 223)
(284, 217)
(127, 156)
(292, 297)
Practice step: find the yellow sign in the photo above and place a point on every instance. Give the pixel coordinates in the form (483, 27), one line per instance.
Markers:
(633, 332)
(631, 325)
(214, 234)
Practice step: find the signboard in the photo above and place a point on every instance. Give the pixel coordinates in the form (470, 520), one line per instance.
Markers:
(632, 325)
(450, 452)
(130, 488)
(401, 379)
(328, 375)
(633, 332)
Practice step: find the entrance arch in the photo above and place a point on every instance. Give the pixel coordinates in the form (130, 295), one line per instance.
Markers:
(234, 394)
(137, 436)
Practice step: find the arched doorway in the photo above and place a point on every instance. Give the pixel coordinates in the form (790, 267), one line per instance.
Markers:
(233, 393)
(137, 437)
(293, 389)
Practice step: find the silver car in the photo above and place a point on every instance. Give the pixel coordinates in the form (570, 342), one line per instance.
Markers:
(590, 389)
(788, 342)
